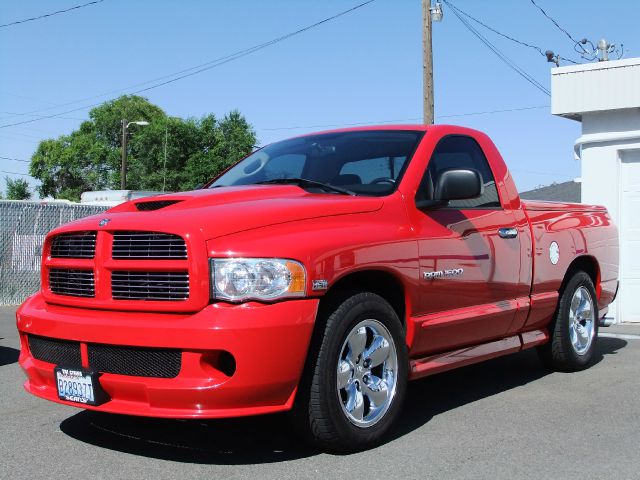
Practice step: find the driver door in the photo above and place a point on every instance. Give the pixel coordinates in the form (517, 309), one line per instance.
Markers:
(469, 259)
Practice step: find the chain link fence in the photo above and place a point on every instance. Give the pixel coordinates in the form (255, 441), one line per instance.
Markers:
(23, 226)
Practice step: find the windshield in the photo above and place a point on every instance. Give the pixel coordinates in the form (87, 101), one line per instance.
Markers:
(367, 162)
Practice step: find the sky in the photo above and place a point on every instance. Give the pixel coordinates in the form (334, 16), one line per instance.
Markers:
(362, 68)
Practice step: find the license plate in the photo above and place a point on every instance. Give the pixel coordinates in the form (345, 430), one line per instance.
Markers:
(78, 386)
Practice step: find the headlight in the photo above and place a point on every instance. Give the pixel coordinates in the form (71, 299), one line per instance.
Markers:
(239, 279)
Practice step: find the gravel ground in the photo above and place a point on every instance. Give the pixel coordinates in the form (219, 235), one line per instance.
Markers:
(506, 418)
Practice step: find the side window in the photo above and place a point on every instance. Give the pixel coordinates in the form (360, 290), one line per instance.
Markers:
(284, 166)
(459, 151)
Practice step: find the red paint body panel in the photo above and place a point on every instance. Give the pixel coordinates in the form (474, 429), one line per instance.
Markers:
(502, 302)
(580, 231)
(269, 344)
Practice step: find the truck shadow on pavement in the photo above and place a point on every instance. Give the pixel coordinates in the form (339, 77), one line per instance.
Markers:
(270, 438)
(8, 355)
(440, 393)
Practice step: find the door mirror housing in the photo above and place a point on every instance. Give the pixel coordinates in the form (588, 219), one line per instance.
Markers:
(454, 184)
(457, 184)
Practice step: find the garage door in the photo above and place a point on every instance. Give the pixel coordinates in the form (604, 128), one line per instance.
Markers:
(629, 310)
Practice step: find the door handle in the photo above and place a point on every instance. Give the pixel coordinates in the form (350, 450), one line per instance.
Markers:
(509, 232)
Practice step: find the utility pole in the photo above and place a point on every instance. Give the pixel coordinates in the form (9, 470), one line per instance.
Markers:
(123, 165)
(427, 63)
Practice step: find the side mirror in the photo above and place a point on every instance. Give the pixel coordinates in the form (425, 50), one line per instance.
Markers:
(454, 184)
(457, 184)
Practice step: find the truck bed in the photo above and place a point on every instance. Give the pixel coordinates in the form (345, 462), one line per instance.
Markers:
(541, 205)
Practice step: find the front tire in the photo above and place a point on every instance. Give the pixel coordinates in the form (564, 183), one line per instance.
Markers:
(356, 376)
(574, 329)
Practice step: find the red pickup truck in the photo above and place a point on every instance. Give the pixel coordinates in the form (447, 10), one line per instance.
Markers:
(317, 275)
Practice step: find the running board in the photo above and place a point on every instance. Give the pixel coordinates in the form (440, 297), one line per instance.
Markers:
(442, 362)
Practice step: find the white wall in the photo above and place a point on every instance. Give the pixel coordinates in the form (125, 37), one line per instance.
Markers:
(608, 139)
(620, 131)
(591, 87)
(605, 97)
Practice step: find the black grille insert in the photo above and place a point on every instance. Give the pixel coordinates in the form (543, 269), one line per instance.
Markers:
(148, 245)
(74, 245)
(75, 283)
(155, 204)
(132, 361)
(135, 361)
(58, 352)
(129, 285)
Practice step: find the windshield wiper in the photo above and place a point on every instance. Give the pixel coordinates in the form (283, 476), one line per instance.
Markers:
(303, 182)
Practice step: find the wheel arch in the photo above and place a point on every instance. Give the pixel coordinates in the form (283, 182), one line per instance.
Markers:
(381, 282)
(589, 265)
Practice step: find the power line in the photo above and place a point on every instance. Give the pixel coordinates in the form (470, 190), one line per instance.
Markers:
(504, 35)
(535, 172)
(453, 115)
(188, 72)
(499, 54)
(353, 124)
(15, 159)
(411, 119)
(38, 130)
(469, 114)
(25, 98)
(575, 42)
(210, 64)
(15, 173)
(29, 114)
(20, 139)
(508, 37)
(51, 14)
(22, 135)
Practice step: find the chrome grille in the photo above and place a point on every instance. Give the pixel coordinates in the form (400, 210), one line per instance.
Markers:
(75, 283)
(130, 285)
(74, 245)
(148, 245)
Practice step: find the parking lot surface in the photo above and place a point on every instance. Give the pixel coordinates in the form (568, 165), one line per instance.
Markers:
(506, 418)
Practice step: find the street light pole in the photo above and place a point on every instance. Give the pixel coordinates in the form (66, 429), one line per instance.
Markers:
(164, 165)
(123, 165)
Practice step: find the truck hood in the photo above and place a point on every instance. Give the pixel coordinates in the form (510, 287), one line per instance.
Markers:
(227, 210)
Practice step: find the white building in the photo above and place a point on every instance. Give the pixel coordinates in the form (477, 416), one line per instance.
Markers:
(605, 98)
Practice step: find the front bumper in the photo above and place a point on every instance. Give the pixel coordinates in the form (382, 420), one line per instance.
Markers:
(269, 343)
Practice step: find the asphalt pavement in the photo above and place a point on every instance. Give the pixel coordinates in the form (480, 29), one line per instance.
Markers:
(506, 418)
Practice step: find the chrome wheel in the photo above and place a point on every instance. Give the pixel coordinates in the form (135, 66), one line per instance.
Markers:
(367, 373)
(581, 321)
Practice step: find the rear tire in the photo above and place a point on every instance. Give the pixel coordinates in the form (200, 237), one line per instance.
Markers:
(574, 329)
(356, 375)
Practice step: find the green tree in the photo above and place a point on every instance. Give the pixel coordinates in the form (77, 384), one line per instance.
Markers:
(17, 189)
(89, 158)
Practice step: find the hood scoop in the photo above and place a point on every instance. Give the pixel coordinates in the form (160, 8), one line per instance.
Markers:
(155, 205)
